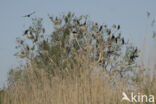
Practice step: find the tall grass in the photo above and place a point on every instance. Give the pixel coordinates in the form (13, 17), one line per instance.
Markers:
(89, 87)
(40, 89)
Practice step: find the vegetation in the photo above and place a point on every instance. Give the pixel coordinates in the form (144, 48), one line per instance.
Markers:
(73, 37)
(80, 62)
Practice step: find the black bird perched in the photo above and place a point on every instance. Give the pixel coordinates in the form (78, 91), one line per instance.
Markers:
(110, 52)
(56, 21)
(96, 34)
(29, 34)
(26, 32)
(74, 34)
(123, 41)
(78, 22)
(28, 15)
(135, 51)
(116, 40)
(83, 27)
(84, 23)
(134, 55)
(113, 37)
(118, 27)
(108, 31)
(100, 28)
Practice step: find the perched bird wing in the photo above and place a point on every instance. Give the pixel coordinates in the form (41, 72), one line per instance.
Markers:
(26, 32)
(100, 28)
(118, 27)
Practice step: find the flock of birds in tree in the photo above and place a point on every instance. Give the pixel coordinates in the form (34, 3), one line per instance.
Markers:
(95, 35)
(83, 27)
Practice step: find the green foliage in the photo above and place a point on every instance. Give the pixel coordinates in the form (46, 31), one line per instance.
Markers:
(73, 36)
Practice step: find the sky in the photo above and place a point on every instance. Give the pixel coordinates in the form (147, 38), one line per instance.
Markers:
(130, 14)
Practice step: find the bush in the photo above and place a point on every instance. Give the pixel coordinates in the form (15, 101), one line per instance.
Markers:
(73, 38)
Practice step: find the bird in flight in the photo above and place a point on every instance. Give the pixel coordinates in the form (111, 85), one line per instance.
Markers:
(28, 15)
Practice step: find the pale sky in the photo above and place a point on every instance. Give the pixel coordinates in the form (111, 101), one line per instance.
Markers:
(130, 14)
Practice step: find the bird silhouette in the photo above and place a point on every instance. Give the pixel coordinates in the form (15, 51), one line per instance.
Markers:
(83, 27)
(28, 15)
(96, 34)
(78, 22)
(26, 32)
(56, 21)
(74, 34)
(108, 31)
(116, 40)
(30, 35)
(100, 28)
(125, 97)
(118, 27)
(135, 51)
(113, 37)
(134, 55)
(20, 55)
(123, 41)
